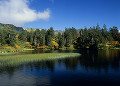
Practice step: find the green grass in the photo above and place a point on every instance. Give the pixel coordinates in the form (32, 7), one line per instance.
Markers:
(21, 59)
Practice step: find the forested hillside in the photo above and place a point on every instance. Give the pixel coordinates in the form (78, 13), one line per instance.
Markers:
(11, 27)
(70, 38)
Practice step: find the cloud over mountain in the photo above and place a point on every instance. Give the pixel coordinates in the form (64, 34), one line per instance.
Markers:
(17, 12)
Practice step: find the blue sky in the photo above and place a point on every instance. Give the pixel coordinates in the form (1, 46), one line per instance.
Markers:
(73, 13)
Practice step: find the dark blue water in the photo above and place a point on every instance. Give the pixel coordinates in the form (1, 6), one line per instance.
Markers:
(92, 68)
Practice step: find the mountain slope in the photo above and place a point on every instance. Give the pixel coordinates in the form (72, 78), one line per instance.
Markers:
(11, 27)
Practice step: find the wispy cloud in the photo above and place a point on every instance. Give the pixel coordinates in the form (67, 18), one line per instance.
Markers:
(17, 12)
(51, 1)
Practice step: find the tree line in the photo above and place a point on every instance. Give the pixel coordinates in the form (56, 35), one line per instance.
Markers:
(70, 37)
(96, 35)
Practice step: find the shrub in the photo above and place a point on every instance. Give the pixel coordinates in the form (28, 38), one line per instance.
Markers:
(71, 47)
(101, 46)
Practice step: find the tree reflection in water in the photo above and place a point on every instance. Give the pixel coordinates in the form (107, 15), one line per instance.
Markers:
(93, 60)
(91, 68)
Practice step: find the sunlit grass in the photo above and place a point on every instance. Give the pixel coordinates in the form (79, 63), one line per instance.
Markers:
(21, 59)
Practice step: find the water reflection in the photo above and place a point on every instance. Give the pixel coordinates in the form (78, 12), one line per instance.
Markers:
(95, 60)
(21, 79)
(102, 59)
(106, 62)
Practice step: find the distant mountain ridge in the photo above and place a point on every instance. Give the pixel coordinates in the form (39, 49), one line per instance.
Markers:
(59, 31)
(33, 29)
(30, 29)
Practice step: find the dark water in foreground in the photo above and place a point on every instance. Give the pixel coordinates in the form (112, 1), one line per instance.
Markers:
(92, 68)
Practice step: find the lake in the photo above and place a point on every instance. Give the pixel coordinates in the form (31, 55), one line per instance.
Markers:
(92, 68)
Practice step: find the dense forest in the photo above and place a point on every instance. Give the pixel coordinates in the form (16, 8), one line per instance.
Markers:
(93, 37)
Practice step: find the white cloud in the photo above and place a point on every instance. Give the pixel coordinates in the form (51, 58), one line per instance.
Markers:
(17, 12)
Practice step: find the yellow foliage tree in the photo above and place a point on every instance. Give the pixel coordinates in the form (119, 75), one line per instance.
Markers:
(55, 43)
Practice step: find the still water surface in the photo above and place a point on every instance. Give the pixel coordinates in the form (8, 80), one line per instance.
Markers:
(92, 68)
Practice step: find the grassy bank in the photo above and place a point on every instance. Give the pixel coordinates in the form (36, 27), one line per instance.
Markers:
(12, 50)
(21, 59)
